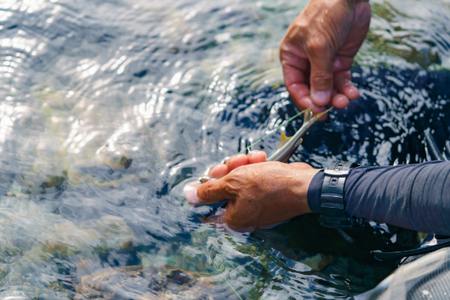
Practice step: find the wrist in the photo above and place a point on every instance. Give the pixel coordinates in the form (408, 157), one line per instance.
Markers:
(304, 178)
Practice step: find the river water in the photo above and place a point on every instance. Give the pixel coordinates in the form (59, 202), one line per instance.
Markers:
(109, 107)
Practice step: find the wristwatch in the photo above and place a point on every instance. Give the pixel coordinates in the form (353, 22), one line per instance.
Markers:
(332, 206)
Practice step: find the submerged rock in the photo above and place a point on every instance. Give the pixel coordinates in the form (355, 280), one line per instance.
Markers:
(88, 237)
(147, 283)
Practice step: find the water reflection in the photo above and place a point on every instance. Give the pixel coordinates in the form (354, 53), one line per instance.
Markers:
(109, 107)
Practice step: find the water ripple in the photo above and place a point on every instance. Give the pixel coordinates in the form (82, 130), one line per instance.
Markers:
(109, 107)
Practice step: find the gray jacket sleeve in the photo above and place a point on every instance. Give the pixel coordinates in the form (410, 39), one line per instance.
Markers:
(410, 196)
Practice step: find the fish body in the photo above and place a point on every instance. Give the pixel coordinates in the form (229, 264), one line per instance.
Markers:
(288, 145)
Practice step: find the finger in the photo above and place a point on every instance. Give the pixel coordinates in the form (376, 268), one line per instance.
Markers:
(190, 193)
(340, 101)
(342, 63)
(210, 192)
(236, 161)
(297, 92)
(218, 171)
(344, 85)
(334, 93)
(305, 102)
(321, 77)
(256, 156)
(296, 84)
(351, 92)
(232, 163)
(295, 68)
(295, 72)
(315, 109)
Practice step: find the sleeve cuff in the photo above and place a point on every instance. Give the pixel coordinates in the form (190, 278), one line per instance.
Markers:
(314, 190)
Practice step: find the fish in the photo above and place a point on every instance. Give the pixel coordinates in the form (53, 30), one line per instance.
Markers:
(288, 145)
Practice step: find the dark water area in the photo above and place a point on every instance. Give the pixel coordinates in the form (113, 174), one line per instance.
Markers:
(108, 108)
(386, 125)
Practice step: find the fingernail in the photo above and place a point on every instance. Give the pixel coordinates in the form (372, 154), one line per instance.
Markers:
(321, 98)
(190, 192)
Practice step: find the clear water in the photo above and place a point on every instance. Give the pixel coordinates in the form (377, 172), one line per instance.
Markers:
(109, 107)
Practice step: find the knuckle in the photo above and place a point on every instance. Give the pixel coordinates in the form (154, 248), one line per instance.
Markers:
(316, 45)
(232, 187)
(321, 76)
(238, 180)
(237, 175)
(207, 190)
(283, 47)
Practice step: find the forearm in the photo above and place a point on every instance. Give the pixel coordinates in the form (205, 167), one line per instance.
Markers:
(410, 196)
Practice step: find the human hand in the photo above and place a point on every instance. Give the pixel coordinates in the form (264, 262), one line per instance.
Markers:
(318, 49)
(259, 193)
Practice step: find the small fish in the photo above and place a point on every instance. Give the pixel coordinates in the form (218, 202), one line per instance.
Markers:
(288, 145)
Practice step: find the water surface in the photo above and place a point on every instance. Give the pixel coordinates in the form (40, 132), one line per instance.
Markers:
(109, 107)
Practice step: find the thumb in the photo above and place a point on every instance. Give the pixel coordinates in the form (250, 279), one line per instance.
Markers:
(207, 193)
(321, 77)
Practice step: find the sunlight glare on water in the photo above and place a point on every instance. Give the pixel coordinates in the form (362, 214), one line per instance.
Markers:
(108, 108)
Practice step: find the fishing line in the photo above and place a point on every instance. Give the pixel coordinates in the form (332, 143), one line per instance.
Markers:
(220, 274)
(226, 280)
(264, 137)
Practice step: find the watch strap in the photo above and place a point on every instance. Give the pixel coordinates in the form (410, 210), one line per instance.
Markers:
(332, 205)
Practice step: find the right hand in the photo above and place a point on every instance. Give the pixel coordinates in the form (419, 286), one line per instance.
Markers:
(318, 49)
(259, 193)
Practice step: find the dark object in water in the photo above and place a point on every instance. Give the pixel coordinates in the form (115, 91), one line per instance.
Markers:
(138, 282)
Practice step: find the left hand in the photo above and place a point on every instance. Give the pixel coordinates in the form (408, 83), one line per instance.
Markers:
(318, 49)
(259, 193)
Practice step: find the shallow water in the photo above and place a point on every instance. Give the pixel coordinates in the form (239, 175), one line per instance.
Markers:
(109, 107)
